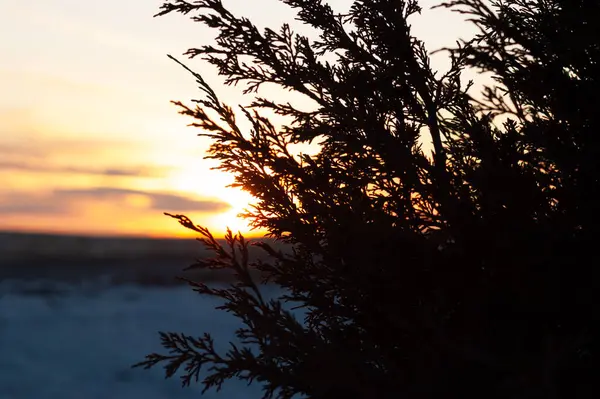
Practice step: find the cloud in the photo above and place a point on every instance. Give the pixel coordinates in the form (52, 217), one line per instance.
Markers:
(61, 201)
(159, 201)
(20, 165)
(91, 156)
(29, 205)
(30, 144)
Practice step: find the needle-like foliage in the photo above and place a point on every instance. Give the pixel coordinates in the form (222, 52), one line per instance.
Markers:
(441, 245)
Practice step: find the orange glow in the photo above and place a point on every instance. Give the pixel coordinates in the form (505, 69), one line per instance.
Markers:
(89, 142)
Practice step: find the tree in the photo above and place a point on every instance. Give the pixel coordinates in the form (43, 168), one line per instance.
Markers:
(464, 270)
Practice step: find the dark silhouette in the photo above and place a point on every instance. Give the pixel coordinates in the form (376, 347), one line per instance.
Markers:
(466, 271)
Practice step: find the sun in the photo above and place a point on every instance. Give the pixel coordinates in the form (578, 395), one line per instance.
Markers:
(238, 201)
(198, 179)
(231, 220)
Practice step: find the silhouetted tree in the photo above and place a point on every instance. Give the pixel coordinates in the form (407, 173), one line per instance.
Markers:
(461, 271)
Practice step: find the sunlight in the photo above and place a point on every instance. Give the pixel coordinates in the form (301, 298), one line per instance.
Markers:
(239, 201)
(230, 220)
(196, 177)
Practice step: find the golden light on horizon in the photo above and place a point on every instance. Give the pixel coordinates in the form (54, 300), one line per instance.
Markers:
(197, 177)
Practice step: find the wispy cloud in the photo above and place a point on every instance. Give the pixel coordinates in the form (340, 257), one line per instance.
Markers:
(159, 201)
(16, 204)
(39, 167)
(62, 201)
(73, 156)
(30, 145)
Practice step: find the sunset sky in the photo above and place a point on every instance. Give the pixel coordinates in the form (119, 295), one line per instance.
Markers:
(89, 142)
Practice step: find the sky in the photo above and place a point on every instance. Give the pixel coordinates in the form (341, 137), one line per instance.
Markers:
(89, 141)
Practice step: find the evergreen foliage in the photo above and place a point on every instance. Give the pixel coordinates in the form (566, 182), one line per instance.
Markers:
(467, 270)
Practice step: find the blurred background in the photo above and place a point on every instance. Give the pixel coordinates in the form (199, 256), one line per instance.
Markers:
(91, 155)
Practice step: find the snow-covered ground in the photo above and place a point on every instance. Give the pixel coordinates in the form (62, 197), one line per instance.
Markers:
(61, 341)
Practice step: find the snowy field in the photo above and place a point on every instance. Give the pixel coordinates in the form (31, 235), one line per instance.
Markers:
(77, 340)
